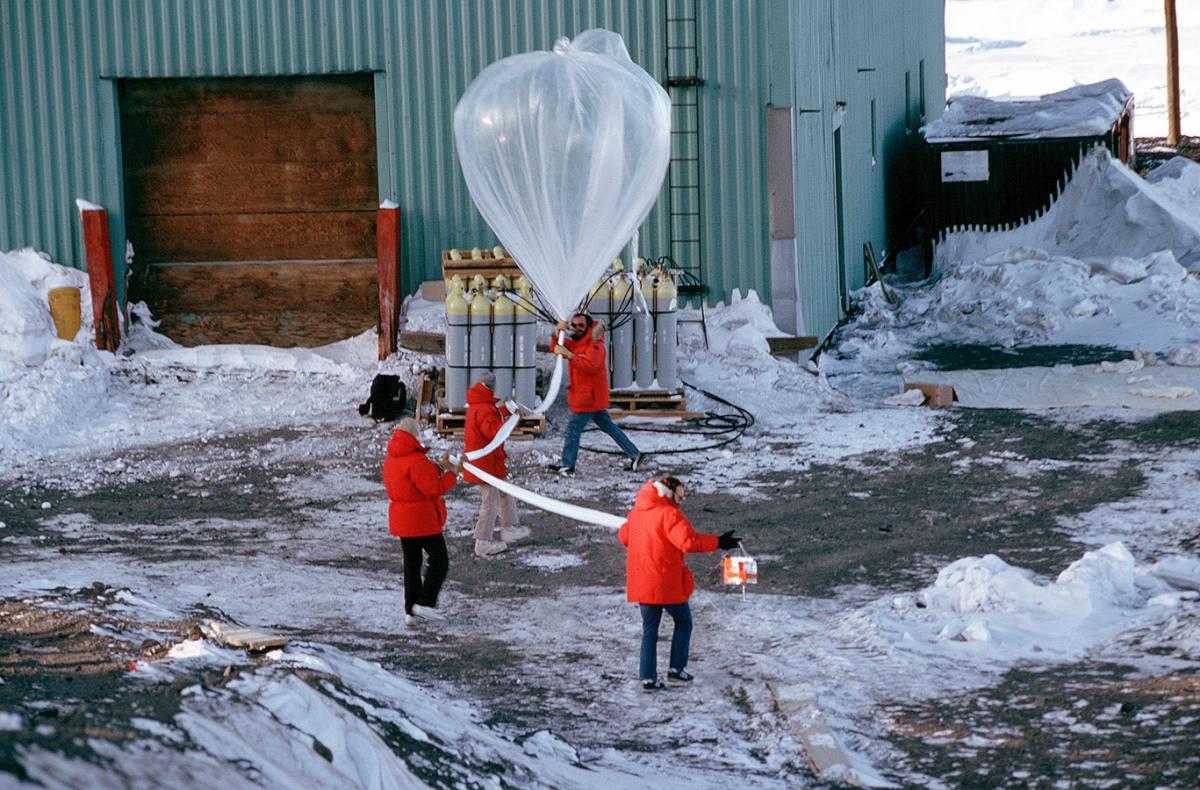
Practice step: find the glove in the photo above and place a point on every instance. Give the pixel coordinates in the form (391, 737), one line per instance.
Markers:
(563, 352)
(727, 541)
(561, 326)
(451, 466)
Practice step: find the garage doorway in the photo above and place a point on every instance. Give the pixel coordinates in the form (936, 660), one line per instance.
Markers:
(250, 204)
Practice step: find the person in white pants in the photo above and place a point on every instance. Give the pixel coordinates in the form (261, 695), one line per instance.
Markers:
(485, 415)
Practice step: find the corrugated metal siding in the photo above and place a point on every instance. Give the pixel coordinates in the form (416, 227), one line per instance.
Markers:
(61, 60)
(734, 64)
(859, 53)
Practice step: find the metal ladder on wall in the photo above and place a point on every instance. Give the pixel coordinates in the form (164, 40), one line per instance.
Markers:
(684, 193)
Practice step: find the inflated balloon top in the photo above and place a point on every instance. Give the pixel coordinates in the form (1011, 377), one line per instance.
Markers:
(564, 154)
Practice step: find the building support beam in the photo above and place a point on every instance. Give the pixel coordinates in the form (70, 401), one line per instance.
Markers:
(387, 237)
(98, 245)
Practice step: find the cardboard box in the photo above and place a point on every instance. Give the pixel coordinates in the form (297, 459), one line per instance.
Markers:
(433, 290)
(935, 394)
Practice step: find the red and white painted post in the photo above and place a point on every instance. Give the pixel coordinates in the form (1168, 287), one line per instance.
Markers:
(98, 245)
(387, 237)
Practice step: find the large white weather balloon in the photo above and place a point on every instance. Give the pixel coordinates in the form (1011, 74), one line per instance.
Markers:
(564, 153)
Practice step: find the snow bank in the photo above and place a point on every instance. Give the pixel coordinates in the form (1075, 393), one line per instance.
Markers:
(27, 333)
(1106, 211)
(1101, 267)
(983, 610)
(245, 358)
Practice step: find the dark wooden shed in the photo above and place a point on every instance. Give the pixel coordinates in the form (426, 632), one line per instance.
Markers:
(993, 163)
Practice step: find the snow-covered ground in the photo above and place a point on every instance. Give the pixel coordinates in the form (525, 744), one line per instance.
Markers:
(1026, 48)
(276, 432)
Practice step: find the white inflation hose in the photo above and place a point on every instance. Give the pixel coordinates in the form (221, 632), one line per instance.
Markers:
(585, 514)
(511, 423)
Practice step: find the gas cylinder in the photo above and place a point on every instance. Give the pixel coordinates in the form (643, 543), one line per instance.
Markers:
(479, 335)
(643, 332)
(621, 330)
(457, 316)
(665, 336)
(503, 351)
(525, 329)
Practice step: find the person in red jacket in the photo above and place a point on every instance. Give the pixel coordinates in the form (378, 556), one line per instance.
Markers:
(417, 514)
(657, 536)
(485, 415)
(587, 394)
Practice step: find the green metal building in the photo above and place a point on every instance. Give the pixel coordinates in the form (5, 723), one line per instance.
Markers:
(794, 126)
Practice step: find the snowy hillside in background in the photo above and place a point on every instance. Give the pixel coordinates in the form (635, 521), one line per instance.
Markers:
(1024, 48)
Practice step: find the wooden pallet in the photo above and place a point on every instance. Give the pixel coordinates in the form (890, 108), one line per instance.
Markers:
(651, 403)
(453, 423)
(426, 403)
(489, 266)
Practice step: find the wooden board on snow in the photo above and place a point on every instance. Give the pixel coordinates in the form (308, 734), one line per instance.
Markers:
(254, 641)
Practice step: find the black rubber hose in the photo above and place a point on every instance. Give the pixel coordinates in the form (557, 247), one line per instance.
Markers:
(711, 425)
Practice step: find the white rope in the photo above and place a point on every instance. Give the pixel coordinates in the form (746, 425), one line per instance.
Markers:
(576, 512)
(511, 423)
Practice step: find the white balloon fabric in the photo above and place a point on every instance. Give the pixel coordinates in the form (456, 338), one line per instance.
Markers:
(564, 154)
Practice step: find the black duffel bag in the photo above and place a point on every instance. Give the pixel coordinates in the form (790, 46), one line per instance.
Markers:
(387, 399)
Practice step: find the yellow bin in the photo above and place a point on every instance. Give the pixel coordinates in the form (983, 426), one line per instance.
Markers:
(64, 309)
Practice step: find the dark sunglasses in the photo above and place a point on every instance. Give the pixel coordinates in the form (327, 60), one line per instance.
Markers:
(578, 326)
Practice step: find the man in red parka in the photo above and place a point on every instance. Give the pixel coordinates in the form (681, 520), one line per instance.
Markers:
(657, 536)
(417, 515)
(587, 394)
(485, 415)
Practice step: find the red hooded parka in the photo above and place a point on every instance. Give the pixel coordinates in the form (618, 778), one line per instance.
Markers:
(484, 418)
(415, 485)
(588, 369)
(657, 535)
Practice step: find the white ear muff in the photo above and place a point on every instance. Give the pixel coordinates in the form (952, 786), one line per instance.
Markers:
(662, 489)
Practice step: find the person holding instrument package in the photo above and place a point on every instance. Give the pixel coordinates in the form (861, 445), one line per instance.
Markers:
(657, 535)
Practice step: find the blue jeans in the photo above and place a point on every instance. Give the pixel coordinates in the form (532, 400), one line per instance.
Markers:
(579, 421)
(680, 640)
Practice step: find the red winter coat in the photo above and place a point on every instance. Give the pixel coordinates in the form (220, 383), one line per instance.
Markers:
(415, 485)
(657, 535)
(484, 418)
(588, 369)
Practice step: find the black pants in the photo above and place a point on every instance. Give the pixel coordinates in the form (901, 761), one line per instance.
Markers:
(416, 591)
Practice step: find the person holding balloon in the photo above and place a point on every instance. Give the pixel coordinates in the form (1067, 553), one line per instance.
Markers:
(587, 394)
